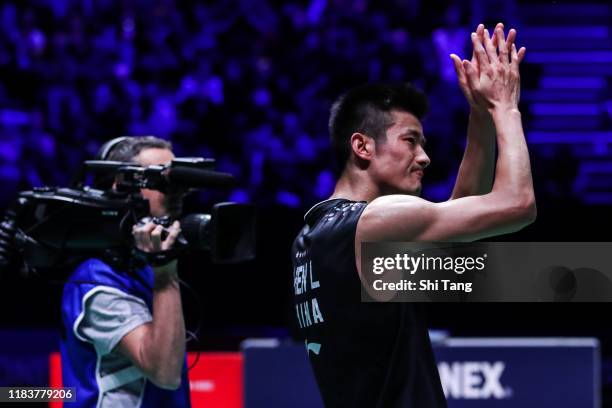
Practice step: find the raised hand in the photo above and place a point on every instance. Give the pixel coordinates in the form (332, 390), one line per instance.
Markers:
(461, 75)
(492, 57)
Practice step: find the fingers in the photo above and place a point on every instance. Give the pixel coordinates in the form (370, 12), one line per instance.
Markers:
(471, 74)
(510, 39)
(156, 238)
(517, 57)
(457, 61)
(142, 236)
(480, 34)
(510, 44)
(173, 232)
(461, 76)
(148, 237)
(501, 46)
(481, 54)
(513, 53)
(488, 43)
(458, 67)
(494, 37)
(521, 54)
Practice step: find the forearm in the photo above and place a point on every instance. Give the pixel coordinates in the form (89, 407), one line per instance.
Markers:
(166, 341)
(513, 170)
(475, 176)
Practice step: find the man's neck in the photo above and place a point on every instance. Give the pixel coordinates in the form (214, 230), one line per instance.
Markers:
(356, 186)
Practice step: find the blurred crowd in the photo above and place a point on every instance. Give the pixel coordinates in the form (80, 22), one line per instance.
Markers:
(249, 83)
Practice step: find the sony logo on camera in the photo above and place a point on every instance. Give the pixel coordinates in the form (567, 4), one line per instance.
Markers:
(473, 380)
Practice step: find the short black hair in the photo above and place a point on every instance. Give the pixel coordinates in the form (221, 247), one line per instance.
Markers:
(127, 149)
(367, 109)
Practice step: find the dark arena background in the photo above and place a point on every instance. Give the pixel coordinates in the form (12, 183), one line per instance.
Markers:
(250, 83)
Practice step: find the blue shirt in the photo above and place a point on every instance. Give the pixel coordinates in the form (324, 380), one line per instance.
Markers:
(99, 307)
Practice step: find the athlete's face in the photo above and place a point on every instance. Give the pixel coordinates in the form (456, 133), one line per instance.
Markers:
(398, 163)
(160, 204)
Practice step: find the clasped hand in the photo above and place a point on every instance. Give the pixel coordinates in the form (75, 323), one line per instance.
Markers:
(491, 79)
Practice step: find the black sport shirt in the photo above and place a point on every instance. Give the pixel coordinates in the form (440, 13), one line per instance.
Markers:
(362, 354)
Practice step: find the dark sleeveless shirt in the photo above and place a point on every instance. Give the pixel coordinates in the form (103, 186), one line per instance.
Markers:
(362, 354)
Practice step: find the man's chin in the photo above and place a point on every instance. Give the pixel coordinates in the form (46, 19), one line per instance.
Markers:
(413, 189)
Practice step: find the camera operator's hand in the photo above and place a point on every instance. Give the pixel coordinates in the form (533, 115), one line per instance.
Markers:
(148, 237)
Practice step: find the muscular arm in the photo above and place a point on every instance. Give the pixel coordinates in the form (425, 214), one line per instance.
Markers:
(477, 167)
(508, 207)
(475, 176)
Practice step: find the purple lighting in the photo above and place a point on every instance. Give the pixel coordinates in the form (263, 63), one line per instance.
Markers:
(561, 109)
(253, 82)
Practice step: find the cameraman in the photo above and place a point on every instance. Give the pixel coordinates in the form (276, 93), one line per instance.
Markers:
(124, 337)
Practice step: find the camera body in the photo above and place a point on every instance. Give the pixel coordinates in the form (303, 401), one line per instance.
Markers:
(49, 227)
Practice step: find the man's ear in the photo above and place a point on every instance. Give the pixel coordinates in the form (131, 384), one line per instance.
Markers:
(362, 146)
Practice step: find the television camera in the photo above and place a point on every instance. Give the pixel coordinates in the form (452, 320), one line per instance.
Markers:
(52, 227)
